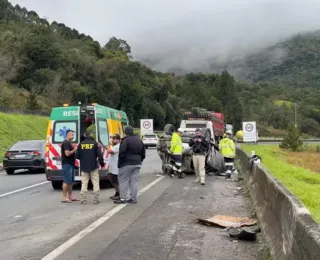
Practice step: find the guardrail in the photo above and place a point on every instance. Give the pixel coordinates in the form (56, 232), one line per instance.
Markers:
(9, 110)
(289, 229)
(279, 141)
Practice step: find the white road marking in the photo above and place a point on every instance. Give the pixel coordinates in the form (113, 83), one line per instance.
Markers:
(22, 189)
(58, 251)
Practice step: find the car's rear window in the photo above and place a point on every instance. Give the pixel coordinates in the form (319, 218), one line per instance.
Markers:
(150, 136)
(26, 145)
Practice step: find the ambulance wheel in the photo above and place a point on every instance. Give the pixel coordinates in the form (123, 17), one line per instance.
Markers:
(56, 185)
(169, 129)
(206, 133)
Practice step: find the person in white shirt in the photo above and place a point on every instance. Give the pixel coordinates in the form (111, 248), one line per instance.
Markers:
(113, 165)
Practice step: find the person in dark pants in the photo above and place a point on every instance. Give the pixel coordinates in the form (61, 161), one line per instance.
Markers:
(89, 153)
(200, 148)
(228, 151)
(113, 165)
(68, 163)
(132, 152)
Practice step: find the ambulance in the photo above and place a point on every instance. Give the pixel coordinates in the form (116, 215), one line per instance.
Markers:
(104, 121)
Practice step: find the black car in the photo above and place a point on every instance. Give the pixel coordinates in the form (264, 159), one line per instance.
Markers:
(29, 155)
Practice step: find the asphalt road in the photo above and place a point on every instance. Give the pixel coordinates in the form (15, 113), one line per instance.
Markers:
(34, 223)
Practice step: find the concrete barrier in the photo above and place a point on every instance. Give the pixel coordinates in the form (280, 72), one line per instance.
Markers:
(290, 232)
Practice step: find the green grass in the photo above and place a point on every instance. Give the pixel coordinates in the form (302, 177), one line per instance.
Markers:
(304, 183)
(20, 127)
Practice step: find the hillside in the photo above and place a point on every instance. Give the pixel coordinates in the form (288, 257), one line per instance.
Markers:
(53, 64)
(294, 62)
(21, 127)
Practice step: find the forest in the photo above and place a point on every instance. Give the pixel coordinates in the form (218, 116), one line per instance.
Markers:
(45, 65)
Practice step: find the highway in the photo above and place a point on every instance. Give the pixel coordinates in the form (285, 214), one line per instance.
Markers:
(34, 224)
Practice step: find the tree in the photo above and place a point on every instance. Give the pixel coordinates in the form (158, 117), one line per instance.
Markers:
(310, 126)
(115, 44)
(32, 102)
(292, 139)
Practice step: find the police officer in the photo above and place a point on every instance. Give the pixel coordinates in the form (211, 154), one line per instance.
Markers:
(88, 152)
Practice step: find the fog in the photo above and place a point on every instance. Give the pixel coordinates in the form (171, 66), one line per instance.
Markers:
(186, 34)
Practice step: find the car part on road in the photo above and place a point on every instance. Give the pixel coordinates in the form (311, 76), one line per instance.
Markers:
(242, 234)
(228, 221)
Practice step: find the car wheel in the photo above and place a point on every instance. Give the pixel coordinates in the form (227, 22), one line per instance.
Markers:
(206, 133)
(146, 147)
(169, 129)
(56, 185)
(10, 171)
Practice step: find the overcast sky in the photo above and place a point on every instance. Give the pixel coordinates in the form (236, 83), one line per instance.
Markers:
(181, 32)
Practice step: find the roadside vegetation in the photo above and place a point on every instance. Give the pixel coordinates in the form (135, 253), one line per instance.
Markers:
(298, 171)
(20, 127)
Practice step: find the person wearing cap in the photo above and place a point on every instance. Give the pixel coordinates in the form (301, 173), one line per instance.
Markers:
(88, 152)
(113, 150)
(200, 148)
(132, 152)
(176, 149)
(228, 151)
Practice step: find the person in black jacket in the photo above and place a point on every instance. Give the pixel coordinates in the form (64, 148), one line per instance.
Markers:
(200, 148)
(132, 152)
(88, 152)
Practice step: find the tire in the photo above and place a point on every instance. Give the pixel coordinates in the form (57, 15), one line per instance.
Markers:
(206, 133)
(146, 147)
(10, 171)
(56, 185)
(169, 129)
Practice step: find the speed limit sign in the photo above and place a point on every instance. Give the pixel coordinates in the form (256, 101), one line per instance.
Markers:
(249, 131)
(146, 126)
(249, 127)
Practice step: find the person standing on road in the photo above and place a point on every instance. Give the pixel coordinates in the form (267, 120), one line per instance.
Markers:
(228, 151)
(132, 152)
(88, 153)
(68, 163)
(200, 148)
(176, 149)
(113, 165)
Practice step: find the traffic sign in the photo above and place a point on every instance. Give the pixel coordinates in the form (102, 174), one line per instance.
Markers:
(249, 131)
(146, 126)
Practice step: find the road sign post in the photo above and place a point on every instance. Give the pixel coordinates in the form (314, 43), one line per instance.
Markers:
(249, 131)
(146, 126)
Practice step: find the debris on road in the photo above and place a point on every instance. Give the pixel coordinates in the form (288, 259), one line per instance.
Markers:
(228, 221)
(242, 234)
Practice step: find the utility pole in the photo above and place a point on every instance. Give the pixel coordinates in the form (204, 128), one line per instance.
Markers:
(295, 115)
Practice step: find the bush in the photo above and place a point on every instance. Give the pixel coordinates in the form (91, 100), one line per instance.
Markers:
(292, 139)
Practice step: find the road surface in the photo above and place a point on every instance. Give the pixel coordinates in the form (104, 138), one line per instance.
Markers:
(34, 224)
